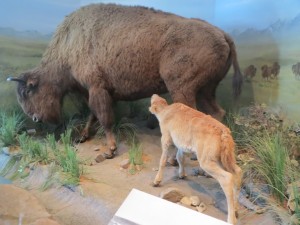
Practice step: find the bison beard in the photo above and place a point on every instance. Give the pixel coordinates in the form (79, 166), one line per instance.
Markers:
(110, 52)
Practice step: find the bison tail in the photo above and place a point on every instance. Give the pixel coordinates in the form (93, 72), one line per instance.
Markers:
(227, 155)
(237, 80)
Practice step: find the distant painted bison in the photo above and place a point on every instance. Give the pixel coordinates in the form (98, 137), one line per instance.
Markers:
(111, 52)
(296, 70)
(266, 72)
(275, 70)
(250, 72)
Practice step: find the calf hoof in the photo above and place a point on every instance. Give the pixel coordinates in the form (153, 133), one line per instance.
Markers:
(155, 184)
(236, 214)
(182, 177)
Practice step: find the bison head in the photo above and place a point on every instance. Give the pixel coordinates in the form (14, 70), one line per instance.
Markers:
(38, 99)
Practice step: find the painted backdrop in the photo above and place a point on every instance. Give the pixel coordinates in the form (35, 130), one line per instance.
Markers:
(266, 33)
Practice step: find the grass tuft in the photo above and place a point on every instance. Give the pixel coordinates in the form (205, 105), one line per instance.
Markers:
(10, 125)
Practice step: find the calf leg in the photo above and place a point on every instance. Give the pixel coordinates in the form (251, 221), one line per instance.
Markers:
(165, 144)
(180, 160)
(100, 103)
(226, 181)
(237, 186)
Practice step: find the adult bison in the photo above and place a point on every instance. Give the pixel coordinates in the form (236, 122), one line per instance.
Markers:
(110, 52)
(250, 71)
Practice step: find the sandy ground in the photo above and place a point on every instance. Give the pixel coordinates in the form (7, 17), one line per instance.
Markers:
(107, 183)
(104, 186)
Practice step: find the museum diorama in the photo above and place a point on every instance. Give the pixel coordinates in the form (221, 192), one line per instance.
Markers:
(148, 112)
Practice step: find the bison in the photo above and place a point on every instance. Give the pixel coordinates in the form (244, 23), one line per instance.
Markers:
(296, 70)
(108, 52)
(250, 71)
(275, 69)
(192, 131)
(266, 72)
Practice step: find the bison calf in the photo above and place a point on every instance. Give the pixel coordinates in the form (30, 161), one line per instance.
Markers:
(192, 131)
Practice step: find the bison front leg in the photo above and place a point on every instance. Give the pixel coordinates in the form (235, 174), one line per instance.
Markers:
(85, 133)
(100, 102)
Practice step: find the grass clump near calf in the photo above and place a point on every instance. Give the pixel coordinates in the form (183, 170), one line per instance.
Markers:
(268, 151)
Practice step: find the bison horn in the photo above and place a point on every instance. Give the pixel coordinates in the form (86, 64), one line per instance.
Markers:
(15, 79)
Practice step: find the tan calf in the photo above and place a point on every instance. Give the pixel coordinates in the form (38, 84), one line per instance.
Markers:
(192, 131)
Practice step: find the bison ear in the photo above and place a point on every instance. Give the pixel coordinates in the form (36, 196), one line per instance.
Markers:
(32, 82)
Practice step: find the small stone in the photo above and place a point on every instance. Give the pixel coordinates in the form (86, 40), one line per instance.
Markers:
(138, 167)
(172, 194)
(186, 201)
(154, 169)
(195, 200)
(11, 150)
(201, 208)
(31, 131)
(124, 163)
(99, 158)
(96, 149)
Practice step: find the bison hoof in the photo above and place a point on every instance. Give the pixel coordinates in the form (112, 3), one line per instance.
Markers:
(109, 154)
(81, 139)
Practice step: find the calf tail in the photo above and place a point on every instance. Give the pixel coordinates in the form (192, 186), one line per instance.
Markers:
(227, 154)
(237, 80)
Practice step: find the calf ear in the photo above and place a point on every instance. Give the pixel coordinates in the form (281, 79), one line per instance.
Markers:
(153, 109)
(32, 82)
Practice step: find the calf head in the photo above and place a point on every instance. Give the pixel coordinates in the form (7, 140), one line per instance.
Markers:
(157, 104)
(38, 99)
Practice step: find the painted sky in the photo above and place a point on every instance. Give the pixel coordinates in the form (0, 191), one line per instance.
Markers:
(45, 15)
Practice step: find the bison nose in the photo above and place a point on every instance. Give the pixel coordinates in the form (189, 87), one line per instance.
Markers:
(35, 119)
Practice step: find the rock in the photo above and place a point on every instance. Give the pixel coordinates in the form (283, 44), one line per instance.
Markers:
(17, 204)
(172, 161)
(5, 150)
(200, 172)
(99, 158)
(195, 200)
(124, 163)
(96, 149)
(201, 208)
(31, 131)
(186, 201)
(172, 194)
(138, 167)
(11, 150)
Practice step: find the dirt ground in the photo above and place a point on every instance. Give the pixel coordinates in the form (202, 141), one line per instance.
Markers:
(109, 183)
(105, 185)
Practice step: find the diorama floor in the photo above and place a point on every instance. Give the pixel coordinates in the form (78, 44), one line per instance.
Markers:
(105, 185)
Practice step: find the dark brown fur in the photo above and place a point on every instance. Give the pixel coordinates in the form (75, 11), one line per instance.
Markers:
(110, 53)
